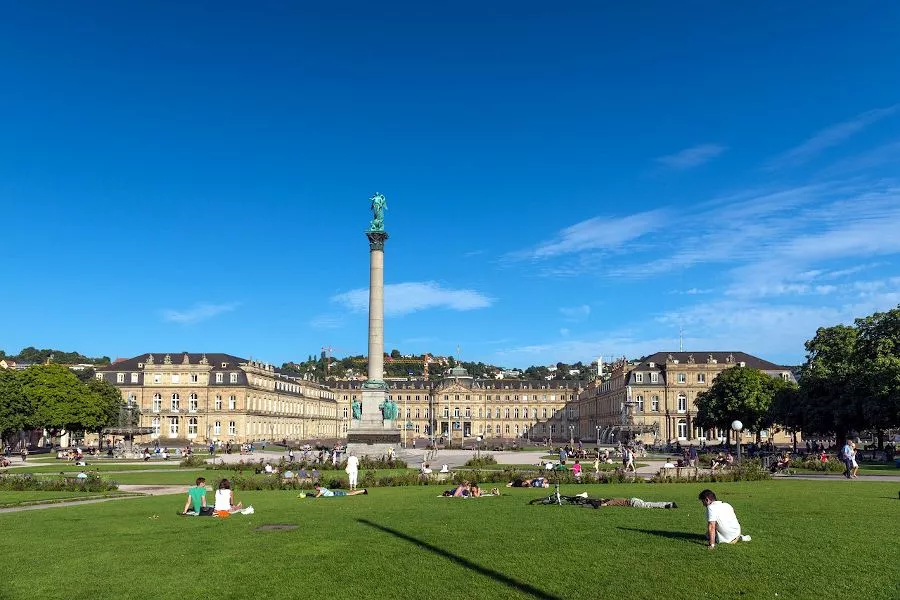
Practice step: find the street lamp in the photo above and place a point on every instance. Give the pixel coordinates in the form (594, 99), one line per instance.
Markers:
(598, 440)
(737, 426)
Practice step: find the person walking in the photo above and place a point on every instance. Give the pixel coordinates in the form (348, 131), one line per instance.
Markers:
(352, 470)
(845, 456)
(854, 464)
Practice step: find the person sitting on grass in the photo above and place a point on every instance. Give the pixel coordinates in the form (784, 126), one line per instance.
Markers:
(722, 523)
(225, 500)
(196, 498)
(535, 482)
(323, 492)
(576, 470)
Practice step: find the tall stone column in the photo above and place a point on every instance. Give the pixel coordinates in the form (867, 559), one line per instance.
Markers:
(376, 309)
(371, 434)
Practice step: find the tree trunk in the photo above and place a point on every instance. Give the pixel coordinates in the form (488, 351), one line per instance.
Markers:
(880, 434)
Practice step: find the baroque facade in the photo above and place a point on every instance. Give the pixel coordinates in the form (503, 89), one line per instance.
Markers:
(465, 408)
(221, 397)
(653, 399)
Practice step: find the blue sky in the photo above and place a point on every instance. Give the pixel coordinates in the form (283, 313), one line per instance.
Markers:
(563, 182)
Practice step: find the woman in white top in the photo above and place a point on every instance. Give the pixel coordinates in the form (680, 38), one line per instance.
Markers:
(225, 498)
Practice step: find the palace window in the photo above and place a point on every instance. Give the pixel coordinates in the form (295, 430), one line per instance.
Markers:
(682, 378)
(193, 403)
(497, 414)
(157, 378)
(120, 377)
(640, 404)
(176, 402)
(194, 378)
(176, 378)
(232, 428)
(134, 377)
(417, 411)
(639, 378)
(218, 402)
(155, 425)
(701, 377)
(455, 411)
(345, 412)
(192, 426)
(217, 428)
(544, 413)
(468, 412)
(173, 426)
(157, 403)
(219, 377)
(232, 402)
(497, 430)
(506, 412)
(447, 412)
(507, 429)
(682, 429)
(654, 403)
(682, 403)
(232, 377)
(517, 413)
(654, 377)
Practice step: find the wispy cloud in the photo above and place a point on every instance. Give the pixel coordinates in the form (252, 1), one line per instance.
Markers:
(326, 322)
(598, 233)
(830, 136)
(199, 312)
(691, 157)
(575, 313)
(405, 298)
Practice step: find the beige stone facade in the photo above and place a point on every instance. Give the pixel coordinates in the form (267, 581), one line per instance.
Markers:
(220, 397)
(505, 410)
(654, 398)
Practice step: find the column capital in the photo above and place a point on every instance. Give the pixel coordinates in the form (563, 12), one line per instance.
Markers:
(377, 239)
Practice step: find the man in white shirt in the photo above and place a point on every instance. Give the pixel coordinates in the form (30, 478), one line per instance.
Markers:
(352, 469)
(722, 523)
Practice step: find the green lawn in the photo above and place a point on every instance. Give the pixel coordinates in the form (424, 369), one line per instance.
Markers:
(406, 542)
(16, 497)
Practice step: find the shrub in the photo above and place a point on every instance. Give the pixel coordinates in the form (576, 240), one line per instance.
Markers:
(28, 483)
(482, 461)
(192, 460)
(830, 466)
(747, 470)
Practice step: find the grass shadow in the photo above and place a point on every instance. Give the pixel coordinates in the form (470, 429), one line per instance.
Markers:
(464, 562)
(697, 538)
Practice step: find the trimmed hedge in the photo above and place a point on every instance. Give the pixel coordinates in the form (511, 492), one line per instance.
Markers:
(28, 483)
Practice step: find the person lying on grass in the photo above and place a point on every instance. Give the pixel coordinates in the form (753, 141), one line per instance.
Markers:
(583, 500)
(323, 492)
(535, 482)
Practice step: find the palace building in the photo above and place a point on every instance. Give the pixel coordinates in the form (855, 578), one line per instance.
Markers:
(465, 408)
(219, 397)
(653, 399)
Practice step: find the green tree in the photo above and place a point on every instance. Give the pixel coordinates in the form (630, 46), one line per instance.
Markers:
(14, 410)
(101, 405)
(877, 356)
(828, 380)
(739, 393)
(395, 354)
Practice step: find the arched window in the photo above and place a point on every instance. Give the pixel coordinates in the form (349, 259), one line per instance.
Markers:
(682, 429)
(176, 402)
(217, 428)
(155, 424)
(193, 403)
(192, 426)
(157, 402)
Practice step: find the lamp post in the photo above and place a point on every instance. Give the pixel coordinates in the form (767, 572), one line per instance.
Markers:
(598, 440)
(571, 435)
(737, 426)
